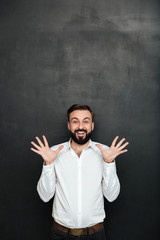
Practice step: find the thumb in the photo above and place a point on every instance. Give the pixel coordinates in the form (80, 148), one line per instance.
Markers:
(100, 147)
(59, 149)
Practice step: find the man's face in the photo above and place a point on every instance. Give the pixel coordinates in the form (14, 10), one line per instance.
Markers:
(80, 126)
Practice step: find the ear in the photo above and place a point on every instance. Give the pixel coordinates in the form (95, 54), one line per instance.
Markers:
(68, 124)
(92, 126)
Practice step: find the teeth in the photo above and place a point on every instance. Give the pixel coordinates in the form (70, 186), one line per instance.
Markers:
(80, 132)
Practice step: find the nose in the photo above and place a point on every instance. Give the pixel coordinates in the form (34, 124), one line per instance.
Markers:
(80, 125)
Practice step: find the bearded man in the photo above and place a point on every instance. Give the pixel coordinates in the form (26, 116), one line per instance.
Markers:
(79, 174)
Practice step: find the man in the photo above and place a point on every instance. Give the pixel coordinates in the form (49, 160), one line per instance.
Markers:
(78, 173)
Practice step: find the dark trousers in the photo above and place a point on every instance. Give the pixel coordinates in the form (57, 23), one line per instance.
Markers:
(59, 235)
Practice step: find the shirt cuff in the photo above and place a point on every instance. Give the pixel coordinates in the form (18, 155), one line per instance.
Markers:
(109, 168)
(49, 167)
(109, 164)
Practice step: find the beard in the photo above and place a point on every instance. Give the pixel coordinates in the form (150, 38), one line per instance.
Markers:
(81, 140)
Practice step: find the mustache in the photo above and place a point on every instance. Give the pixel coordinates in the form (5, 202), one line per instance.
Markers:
(80, 130)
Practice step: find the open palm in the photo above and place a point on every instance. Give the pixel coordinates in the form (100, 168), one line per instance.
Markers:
(44, 150)
(111, 153)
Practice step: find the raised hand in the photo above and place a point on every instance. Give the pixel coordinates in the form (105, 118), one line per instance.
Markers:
(111, 153)
(46, 153)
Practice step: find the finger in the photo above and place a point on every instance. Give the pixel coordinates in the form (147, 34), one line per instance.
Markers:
(126, 150)
(36, 151)
(100, 147)
(120, 142)
(59, 149)
(124, 145)
(36, 146)
(114, 141)
(39, 141)
(45, 141)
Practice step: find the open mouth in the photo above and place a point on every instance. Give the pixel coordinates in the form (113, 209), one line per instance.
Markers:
(81, 133)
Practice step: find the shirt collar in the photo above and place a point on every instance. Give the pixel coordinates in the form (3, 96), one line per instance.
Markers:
(93, 146)
(90, 145)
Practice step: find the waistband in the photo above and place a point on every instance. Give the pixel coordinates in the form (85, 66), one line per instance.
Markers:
(79, 231)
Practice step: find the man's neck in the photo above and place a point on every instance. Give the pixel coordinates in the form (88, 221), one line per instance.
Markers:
(78, 148)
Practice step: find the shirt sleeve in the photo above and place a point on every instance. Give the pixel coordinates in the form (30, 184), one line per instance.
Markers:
(110, 182)
(47, 182)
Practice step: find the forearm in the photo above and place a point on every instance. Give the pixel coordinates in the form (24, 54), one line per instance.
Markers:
(46, 183)
(110, 183)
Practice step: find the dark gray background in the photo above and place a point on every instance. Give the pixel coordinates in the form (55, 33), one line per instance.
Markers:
(102, 53)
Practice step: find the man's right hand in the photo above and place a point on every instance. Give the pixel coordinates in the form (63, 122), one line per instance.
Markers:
(46, 153)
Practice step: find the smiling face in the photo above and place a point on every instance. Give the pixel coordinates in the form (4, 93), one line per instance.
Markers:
(80, 126)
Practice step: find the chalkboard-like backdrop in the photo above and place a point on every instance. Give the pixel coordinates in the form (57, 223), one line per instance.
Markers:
(54, 53)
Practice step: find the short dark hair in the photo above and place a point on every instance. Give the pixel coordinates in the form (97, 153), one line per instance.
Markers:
(79, 107)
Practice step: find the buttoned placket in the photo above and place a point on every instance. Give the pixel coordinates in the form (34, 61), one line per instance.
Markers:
(79, 188)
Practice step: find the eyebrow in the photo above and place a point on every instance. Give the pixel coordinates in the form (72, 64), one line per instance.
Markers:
(87, 118)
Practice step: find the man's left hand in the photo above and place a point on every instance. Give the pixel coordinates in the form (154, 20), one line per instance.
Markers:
(115, 150)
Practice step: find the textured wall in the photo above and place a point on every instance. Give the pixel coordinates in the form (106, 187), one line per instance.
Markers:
(54, 53)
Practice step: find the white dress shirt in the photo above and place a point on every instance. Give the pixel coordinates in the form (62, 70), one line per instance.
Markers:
(78, 185)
